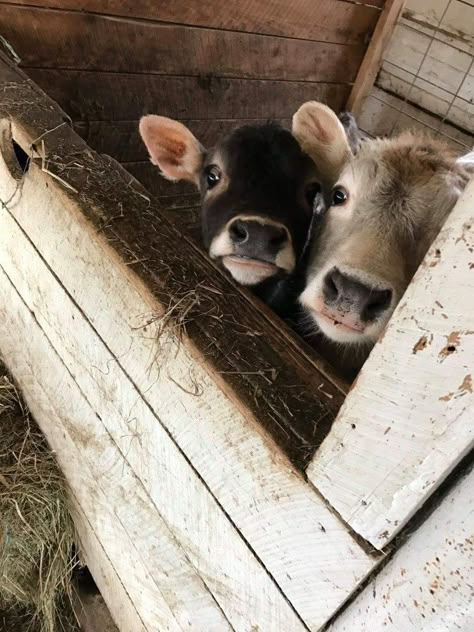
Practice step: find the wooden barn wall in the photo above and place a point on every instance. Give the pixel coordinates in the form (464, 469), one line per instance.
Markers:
(108, 62)
(428, 73)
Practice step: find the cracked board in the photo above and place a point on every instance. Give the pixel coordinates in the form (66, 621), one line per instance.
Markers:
(427, 585)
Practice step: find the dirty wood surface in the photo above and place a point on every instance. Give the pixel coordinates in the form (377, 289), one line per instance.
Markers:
(262, 363)
(409, 417)
(78, 41)
(163, 328)
(108, 96)
(427, 586)
(162, 585)
(337, 21)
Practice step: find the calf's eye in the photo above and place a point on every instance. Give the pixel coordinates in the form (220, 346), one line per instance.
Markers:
(339, 196)
(213, 175)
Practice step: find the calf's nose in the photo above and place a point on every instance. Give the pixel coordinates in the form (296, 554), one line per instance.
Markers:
(255, 239)
(347, 294)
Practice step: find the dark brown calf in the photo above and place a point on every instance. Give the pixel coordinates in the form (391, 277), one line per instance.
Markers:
(257, 189)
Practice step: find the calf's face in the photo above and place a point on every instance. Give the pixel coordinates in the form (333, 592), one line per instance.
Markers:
(379, 212)
(257, 189)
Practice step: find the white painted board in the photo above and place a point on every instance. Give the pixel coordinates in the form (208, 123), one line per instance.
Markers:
(428, 586)
(169, 410)
(409, 418)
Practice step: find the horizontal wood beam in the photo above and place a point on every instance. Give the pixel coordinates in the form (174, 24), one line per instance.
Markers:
(106, 96)
(339, 21)
(92, 42)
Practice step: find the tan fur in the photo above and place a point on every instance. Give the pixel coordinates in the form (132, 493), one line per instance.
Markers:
(400, 192)
(321, 135)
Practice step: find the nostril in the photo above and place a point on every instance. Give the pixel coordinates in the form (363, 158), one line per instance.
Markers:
(238, 232)
(279, 238)
(330, 289)
(377, 302)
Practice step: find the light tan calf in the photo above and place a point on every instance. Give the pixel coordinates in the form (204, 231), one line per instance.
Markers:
(380, 211)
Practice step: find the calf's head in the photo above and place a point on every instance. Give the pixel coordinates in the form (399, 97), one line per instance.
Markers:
(379, 210)
(257, 189)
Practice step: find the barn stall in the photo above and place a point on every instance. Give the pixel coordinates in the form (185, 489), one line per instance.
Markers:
(223, 477)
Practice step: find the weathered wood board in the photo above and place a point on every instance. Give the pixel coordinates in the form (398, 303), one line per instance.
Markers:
(142, 335)
(340, 21)
(428, 585)
(409, 418)
(108, 63)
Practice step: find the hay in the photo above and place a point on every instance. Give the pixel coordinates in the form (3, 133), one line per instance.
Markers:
(36, 530)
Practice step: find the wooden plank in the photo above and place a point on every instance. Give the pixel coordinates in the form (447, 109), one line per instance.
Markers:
(169, 515)
(195, 401)
(112, 589)
(225, 447)
(427, 586)
(323, 20)
(59, 40)
(373, 58)
(137, 232)
(99, 480)
(121, 139)
(109, 96)
(443, 18)
(412, 409)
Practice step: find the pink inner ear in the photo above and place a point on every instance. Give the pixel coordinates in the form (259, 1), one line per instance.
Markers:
(172, 147)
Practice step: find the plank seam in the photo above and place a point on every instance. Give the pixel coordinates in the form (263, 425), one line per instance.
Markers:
(462, 469)
(178, 448)
(149, 73)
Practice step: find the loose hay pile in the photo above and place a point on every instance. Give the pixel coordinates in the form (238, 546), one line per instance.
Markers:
(36, 531)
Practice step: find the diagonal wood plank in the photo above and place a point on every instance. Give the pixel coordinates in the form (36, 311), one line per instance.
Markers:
(110, 324)
(60, 39)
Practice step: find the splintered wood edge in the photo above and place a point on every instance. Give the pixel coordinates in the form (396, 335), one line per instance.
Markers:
(408, 420)
(426, 585)
(373, 57)
(274, 353)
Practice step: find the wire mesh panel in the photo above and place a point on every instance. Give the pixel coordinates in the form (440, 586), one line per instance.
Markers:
(427, 76)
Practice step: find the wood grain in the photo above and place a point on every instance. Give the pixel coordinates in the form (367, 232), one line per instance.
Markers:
(121, 139)
(324, 20)
(408, 421)
(169, 515)
(143, 235)
(199, 437)
(427, 586)
(112, 97)
(91, 42)
(373, 58)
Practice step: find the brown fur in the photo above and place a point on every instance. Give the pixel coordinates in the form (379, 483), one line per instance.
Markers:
(400, 192)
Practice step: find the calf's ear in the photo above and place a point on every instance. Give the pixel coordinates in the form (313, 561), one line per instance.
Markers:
(172, 148)
(323, 137)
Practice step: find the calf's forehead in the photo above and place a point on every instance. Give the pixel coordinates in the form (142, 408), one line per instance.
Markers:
(264, 152)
